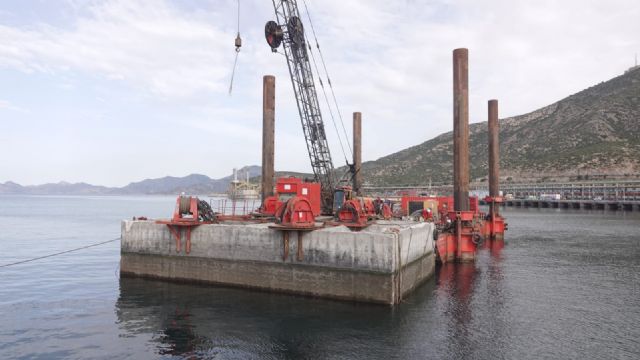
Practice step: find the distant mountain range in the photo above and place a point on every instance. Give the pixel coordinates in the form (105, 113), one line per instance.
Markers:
(191, 184)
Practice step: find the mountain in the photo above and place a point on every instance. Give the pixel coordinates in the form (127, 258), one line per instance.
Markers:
(191, 184)
(595, 131)
(11, 188)
(170, 185)
(61, 188)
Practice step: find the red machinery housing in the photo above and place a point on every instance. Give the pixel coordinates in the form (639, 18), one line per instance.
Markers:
(495, 225)
(295, 204)
(357, 211)
(460, 231)
(461, 236)
(439, 205)
(189, 213)
(354, 213)
(290, 187)
(410, 204)
(296, 213)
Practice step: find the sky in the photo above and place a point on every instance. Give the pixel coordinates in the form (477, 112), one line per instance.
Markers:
(110, 92)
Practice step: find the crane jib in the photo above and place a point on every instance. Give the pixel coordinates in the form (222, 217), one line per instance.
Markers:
(288, 30)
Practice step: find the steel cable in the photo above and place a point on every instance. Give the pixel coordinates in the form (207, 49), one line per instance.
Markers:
(59, 253)
(324, 65)
(326, 98)
(235, 62)
(233, 73)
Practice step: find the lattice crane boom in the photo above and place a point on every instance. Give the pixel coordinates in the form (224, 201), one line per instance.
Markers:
(289, 31)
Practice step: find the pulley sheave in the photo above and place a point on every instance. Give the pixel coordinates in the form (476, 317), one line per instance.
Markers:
(273, 34)
(296, 31)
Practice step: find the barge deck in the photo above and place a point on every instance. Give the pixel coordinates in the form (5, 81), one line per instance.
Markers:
(382, 263)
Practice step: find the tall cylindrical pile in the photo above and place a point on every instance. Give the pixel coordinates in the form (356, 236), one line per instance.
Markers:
(357, 152)
(494, 150)
(461, 129)
(268, 134)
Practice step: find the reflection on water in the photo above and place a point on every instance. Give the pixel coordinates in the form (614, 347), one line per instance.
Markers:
(495, 247)
(456, 283)
(200, 320)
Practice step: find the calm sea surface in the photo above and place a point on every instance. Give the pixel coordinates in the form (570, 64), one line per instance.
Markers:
(567, 285)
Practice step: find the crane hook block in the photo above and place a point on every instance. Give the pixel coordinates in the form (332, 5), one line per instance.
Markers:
(238, 43)
(273, 33)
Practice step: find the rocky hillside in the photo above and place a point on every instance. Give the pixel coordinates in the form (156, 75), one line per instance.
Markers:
(596, 131)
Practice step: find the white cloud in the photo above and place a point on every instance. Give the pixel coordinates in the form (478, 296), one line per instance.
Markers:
(4, 104)
(149, 44)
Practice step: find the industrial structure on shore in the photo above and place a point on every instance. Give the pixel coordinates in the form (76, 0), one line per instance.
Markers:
(240, 190)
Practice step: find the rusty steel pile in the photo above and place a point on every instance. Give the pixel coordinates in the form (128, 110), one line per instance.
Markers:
(462, 227)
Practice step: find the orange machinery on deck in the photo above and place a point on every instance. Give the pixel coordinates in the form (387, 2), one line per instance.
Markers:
(459, 231)
(495, 225)
(411, 204)
(189, 213)
(295, 204)
(290, 187)
(460, 238)
(356, 212)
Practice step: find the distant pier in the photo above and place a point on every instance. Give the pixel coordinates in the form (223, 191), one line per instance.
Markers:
(594, 195)
(623, 195)
(575, 204)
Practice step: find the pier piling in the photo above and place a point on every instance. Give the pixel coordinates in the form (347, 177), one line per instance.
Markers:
(494, 150)
(357, 153)
(461, 129)
(496, 225)
(268, 134)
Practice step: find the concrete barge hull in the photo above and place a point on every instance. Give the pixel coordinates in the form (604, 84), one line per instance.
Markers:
(381, 264)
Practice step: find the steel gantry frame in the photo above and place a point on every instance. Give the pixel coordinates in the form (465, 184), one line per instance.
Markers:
(295, 51)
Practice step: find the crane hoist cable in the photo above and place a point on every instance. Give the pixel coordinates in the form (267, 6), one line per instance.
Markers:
(238, 44)
(287, 30)
(327, 74)
(326, 98)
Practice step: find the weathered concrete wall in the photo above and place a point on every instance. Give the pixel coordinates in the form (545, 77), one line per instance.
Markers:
(368, 265)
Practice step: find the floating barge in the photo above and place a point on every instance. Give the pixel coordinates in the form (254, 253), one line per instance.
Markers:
(289, 244)
(379, 264)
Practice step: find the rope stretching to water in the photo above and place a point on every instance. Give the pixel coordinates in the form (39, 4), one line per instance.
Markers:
(59, 253)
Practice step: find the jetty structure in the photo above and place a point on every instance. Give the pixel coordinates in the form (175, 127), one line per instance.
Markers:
(360, 253)
(319, 237)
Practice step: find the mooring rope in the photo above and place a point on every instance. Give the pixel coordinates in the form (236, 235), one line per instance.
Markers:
(59, 253)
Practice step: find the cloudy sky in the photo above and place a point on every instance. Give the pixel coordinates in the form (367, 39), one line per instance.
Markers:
(109, 92)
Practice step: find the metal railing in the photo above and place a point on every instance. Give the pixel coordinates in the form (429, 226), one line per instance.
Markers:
(584, 190)
(234, 207)
(599, 190)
